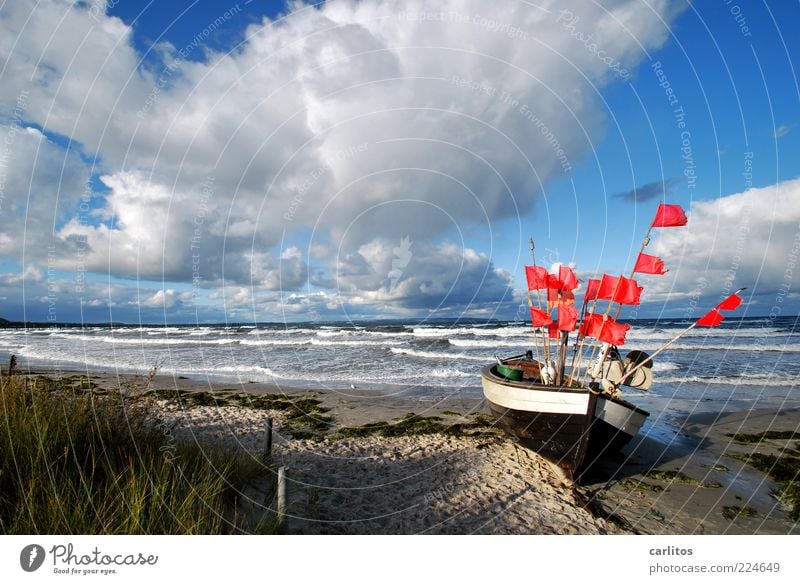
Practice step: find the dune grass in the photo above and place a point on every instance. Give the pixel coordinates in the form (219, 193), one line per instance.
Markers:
(75, 462)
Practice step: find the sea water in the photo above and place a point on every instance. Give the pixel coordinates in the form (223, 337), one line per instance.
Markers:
(743, 364)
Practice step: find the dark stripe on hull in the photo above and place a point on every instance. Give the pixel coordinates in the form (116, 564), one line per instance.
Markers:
(562, 438)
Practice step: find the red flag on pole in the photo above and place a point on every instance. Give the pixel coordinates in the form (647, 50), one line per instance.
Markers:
(669, 216)
(539, 318)
(713, 318)
(732, 302)
(552, 331)
(647, 264)
(613, 332)
(552, 296)
(623, 290)
(628, 292)
(567, 317)
(567, 277)
(537, 277)
(592, 287)
(606, 288)
(590, 327)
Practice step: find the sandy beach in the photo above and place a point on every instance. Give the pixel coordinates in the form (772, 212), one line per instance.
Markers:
(358, 462)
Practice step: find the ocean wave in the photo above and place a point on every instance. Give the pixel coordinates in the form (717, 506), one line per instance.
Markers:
(478, 332)
(437, 354)
(659, 366)
(793, 348)
(699, 333)
(766, 380)
(323, 343)
(142, 342)
(487, 343)
(275, 342)
(276, 331)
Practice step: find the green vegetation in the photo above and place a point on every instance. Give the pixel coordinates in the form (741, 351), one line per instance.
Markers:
(637, 485)
(304, 412)
(768, 435)
(733, 512)
(413, 425)
(784, 470)
(75, 459)
(678, 478)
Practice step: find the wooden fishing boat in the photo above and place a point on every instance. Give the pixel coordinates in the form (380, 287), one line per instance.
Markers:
(574, 419)
(572, 426)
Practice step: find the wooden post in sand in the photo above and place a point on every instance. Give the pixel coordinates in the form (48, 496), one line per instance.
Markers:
(281, 499)
(268, 440)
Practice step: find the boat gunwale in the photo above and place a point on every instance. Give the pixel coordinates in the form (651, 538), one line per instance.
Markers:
(488, 372)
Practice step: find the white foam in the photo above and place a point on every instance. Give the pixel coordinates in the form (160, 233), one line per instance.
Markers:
(764, 380)
(275, 342)
(489, 344)
(141, 341)
(478, 332)
(437, 354)
(659, 366)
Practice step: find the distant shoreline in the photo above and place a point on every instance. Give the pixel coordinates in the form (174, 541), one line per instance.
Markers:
(12, 324)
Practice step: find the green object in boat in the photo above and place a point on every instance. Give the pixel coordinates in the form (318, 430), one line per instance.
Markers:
(510, 373)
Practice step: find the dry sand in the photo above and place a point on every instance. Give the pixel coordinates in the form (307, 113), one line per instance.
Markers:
(430, 483)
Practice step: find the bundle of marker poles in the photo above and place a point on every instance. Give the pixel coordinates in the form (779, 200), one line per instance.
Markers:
(596, 343)
(545, 337)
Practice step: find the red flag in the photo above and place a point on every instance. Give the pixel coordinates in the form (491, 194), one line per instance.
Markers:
(567, 278)
(669, 216)
(567, 317)
(732, 302)
(713, 318)
(552, 296)
(628, 291)
(592, 287)
(613, 332)
(552, 331)
(647, 264)
(623, 290)
(539, 318)
(537, 277)
(606, 287)
(590, 327)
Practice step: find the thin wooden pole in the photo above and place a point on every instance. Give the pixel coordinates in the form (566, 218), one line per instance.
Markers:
(535, 336)
(645, 243)
(578, 350)
(545, 337)
(281, 499)
(268, 440)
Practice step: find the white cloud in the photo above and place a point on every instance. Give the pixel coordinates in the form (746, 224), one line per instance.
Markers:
(31, 274)
(358, 120)
(749, 239)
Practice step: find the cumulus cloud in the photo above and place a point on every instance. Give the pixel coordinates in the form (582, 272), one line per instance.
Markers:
(357, 120)
(749, 239)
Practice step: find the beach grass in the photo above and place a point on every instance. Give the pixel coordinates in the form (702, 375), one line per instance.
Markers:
(75, 460)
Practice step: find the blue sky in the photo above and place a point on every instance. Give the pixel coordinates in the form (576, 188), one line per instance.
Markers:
(206, 161)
